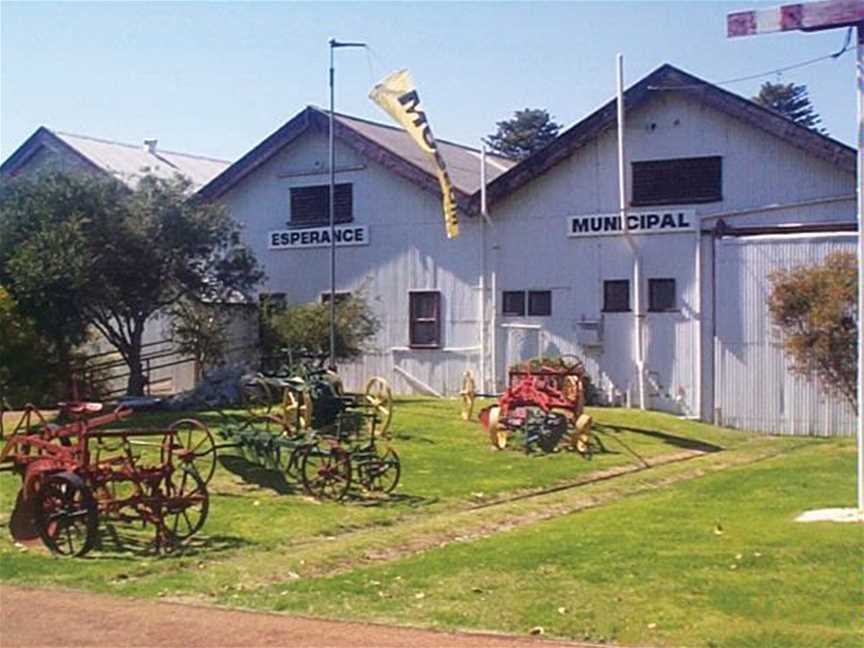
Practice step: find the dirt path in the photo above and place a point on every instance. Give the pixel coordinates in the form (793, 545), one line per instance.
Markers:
(44, 618)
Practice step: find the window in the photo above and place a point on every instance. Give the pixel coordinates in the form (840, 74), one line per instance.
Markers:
(425, 319)
(311, 205)
(340, 297)
(272, 302)
(616, 296)
(513, 303)
(680, 181)
(540, 303)
(661, 295)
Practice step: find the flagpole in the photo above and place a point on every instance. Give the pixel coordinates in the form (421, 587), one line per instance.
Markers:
(332, 202)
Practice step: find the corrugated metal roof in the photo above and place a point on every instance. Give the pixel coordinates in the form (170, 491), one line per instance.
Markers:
(130, 162)
(463, 163)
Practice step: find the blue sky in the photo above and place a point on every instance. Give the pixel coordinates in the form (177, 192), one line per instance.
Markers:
(216, 78)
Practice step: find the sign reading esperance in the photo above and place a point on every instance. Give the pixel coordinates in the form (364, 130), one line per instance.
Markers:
(315, 237)
(653, 222)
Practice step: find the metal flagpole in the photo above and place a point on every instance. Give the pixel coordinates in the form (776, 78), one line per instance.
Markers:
(625, 227)
(860, 73)
(332, 202)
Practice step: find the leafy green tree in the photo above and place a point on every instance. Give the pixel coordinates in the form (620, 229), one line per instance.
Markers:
(307, 326)
(200, 330)
(29, 366)
(109, 257)
(814, 307)
(790, 100)
(526, 132)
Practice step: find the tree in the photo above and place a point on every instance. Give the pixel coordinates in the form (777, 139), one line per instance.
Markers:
(814, 307)
(526, 132)
(200, 330)
(116, 257)
(307, 326)
(29, 367)
(792, 101)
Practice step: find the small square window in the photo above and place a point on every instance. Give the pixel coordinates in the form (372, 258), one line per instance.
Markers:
(424, 329)
(616, 296)
(540, 303)
(661, 295)
(341, 297)
(513, 303)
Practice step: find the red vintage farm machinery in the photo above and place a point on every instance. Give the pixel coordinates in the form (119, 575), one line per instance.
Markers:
(542, 407)
(76, 473)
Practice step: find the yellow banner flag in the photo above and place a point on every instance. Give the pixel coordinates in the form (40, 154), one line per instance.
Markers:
(399, 99)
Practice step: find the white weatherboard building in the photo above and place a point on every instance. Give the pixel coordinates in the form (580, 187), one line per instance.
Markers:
(721, 192)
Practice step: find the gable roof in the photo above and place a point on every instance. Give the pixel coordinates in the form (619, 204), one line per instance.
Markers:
(389, 146)
(125, 162)
(667, 78)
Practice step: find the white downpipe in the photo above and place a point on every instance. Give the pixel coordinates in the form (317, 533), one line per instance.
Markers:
(637, 262)
(483, 269)
(700, 319)
(860, 69)
(417, 383)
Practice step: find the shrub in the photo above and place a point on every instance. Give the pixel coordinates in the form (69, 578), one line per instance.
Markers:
(814, 308)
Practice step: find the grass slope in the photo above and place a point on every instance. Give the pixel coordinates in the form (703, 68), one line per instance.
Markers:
(642, 565)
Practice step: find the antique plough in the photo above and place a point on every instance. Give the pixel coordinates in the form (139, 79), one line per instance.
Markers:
(75, 474)
(542, 406)
(299, 420)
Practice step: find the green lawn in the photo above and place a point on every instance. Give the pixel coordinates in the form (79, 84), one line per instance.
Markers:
(633, 559)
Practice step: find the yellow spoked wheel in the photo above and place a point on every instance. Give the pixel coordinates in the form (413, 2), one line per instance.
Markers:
(291, 419)
(573, 391)
(305, 411)
(582, 436)
(378, 400)
(497, 433)
(468, 394)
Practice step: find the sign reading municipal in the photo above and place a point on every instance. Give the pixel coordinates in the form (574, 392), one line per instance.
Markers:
(313, 237)
(653, 222)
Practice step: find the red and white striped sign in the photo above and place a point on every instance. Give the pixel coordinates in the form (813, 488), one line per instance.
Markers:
(805, 16)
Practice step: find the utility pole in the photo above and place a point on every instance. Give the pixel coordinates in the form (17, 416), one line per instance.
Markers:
(819, 16)
(332, 162)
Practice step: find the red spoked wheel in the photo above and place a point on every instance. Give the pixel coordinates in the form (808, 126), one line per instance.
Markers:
(326, 471)
(66, 515)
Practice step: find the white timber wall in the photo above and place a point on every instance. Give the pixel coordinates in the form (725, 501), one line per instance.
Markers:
(407, 251)
(759, 170)
(756, 390)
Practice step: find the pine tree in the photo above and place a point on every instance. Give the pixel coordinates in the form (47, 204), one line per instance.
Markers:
(790, 100)
(527, 131)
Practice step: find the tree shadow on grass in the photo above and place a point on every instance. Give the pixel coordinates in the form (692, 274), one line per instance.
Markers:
(254, 473)
(667, 438)
(128, 541)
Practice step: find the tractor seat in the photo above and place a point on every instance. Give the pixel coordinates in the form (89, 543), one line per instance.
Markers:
(80, 407)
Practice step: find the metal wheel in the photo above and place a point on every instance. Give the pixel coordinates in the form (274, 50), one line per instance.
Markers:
(583, 435)
(66, 515)
(190, 441)
(379, 402)
(186, 504)
(256, 397)
(326, 472)
(468, 394)
(381, 472)
(574, 392)
(497, 432)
